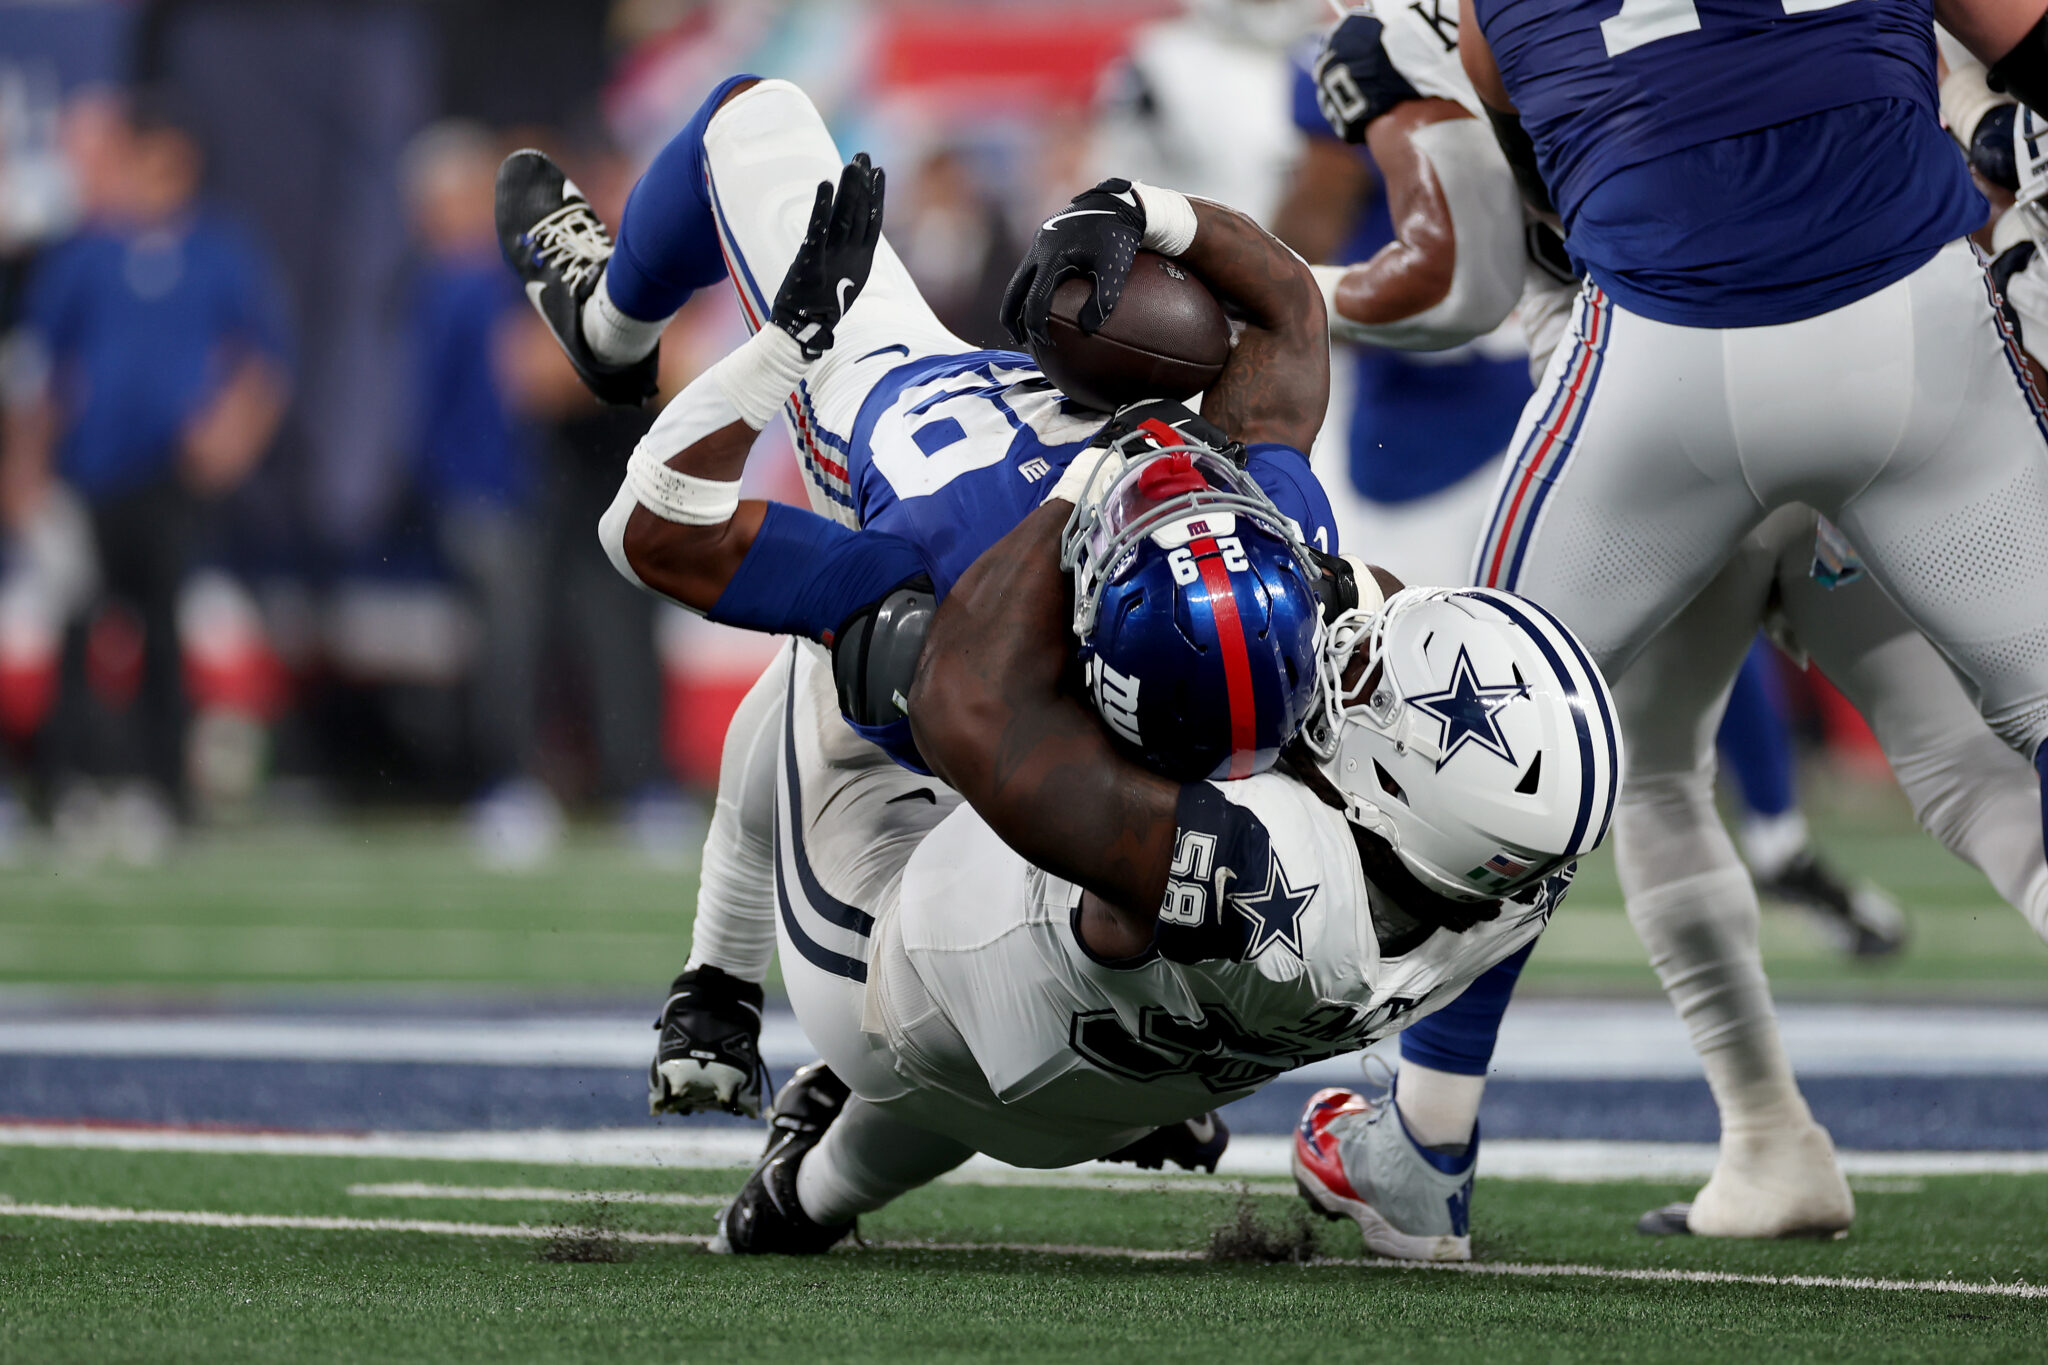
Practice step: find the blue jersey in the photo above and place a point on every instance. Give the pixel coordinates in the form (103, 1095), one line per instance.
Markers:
(1419, 422)
(141, 327)
(950, 452)
(1732, 163)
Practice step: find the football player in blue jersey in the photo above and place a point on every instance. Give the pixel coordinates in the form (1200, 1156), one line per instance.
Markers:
(1778, 308)
(1385, 84)
(905, 429)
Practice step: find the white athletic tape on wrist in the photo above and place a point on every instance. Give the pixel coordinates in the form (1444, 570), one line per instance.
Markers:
(1169, 219)
(1966, 99)
(1371, 597)
(678, 497)
(759, 377)
(1486, 224)
(690, 417)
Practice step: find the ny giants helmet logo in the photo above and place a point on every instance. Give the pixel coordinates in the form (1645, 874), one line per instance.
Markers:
(1116, 698)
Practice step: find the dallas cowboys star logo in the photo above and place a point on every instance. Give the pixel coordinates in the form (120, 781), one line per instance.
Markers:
(1467, 710)
(1274, 911)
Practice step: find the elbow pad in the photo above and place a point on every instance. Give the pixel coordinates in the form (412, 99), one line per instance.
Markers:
(874, 661)
(1486, 223)
(2023, 72)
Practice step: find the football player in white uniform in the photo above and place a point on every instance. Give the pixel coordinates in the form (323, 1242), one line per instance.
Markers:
(903, 427)
(1688, 894)
(1087, 952)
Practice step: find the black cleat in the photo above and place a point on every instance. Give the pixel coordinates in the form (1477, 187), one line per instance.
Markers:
(765, 1218)
(1195, 1144)
(1669, 1221)
(709, 1053)
(1859, 921)
(559, 247)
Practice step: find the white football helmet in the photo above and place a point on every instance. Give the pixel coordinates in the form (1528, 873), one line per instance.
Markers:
(1478, 739)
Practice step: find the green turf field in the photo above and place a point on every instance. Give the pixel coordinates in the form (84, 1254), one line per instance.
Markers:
(396, 902)
(1017, 1274)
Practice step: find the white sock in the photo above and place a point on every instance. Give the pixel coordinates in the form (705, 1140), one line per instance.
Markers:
(1702, 935)
(1440, 1107)
(613, 337)
(735, 925)
(867, 1159)
(1770, 842)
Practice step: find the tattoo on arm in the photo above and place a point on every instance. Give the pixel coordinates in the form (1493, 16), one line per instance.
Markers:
(994, 719)
(1276, 383)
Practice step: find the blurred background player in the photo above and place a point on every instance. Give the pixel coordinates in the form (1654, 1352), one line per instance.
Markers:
(163, 359)
(1199, 100)
(477, 478)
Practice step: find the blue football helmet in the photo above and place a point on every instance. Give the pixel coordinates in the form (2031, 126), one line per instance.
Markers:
(1195, 606)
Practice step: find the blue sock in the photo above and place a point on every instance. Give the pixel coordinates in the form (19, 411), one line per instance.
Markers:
(1459, 1038)
(667, 246)
(1755, 738)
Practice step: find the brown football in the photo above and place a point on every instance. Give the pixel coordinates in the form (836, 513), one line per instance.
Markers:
(1166, 338)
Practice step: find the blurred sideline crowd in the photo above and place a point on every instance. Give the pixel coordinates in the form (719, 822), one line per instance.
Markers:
(297, 499)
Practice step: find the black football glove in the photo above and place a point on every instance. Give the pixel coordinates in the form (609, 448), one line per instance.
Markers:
(1355, 79)
(1149, 414)
(831, 267)
(1096, 235)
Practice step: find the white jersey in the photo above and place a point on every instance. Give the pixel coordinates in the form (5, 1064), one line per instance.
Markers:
(1421, 38)
(1162, 120)
(1071, 1039)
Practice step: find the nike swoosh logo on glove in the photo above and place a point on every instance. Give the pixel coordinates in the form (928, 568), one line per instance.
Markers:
(1059, 218)
(844, 285)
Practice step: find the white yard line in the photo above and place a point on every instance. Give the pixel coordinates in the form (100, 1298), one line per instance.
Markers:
(534, 1194)
(82, 1213)
(1250, 1156)
(78, 1213)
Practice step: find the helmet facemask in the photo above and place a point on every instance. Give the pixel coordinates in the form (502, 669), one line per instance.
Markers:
(1194, 604)
(1140, 489)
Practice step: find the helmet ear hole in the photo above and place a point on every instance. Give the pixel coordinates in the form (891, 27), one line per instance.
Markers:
(1527, 786)
(1388, 784)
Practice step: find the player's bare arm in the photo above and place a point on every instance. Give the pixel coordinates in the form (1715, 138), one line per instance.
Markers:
(1455, 267)
(1276, 384)
(993, 720)
(1414, 271)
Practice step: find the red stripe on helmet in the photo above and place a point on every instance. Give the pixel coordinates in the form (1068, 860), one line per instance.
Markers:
(1162, 433)
(1237, 664)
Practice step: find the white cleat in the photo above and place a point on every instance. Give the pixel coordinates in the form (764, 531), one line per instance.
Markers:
(1766, 1185)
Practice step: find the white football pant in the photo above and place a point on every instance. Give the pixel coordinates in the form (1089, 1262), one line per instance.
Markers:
(1651, 450)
